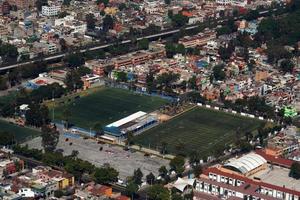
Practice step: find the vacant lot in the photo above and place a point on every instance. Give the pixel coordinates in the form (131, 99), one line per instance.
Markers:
(104, 106)
(20, 133)
(200, 129)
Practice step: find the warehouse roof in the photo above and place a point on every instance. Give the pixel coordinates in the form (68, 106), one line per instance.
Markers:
(246, 163)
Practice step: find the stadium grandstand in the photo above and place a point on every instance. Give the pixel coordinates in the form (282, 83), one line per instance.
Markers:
(134, 123)
(247, 164)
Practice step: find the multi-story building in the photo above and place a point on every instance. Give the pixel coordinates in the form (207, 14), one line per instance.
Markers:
(3, 31)
(198, 40)
(10, 166)
(4, 8)
(239, 3)
(281, 145)
(248, 177)
(50, 10)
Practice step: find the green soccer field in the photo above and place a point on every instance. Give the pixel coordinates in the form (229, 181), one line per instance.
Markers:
(20, 133)
(200, 129)
(105, 106)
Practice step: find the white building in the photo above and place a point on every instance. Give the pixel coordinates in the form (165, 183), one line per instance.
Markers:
(26, 193)
(50, 10)
(239, 3)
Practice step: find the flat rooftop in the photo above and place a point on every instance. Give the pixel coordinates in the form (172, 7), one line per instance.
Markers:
(278, 176)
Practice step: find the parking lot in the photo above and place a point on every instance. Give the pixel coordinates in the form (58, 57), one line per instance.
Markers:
(124, 161)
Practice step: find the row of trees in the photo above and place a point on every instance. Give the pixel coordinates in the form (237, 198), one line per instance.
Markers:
(15, 76)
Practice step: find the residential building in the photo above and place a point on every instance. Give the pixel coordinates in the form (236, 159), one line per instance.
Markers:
(198, 40)
(49, 11)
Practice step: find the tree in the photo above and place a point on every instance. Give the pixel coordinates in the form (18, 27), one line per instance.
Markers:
(3, 83)
(158, 192)
(106, 175)
(98, 128)
(164, 147)
(130, 138)
(82, 71)
(122, 6)
(287, 66)
(192, 83)
(74, 60)
(166, 80)
(226, 52)
(6, 138)
(150, 178)
(137, 176)
(194, 157)
(295, 170)
(108, 23)
(63, 44)
(197, 170)
(50, 137)
(151, 29)
(150, 81)
(74, 153)
(105, 2)
(14, 77)
(179, 20)
(37, 115)
(73, 80)
(90, 21)
(66, 114)
(177, 164)
(170, 50)
(8, 52)
(176, 196)
(40, 3)
(252, 15)
(143, 44)
(121, 76)
(163, 171)
(168, 2)
(131, 189)
(251, 65)
(218, 72)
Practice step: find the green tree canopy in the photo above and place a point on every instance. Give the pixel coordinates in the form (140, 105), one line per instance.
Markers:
(37, 115)
(108, 23)
(143, 44)
(287, 66)
(6, 138)
(106, 175)
(218, 72)
(90, 21)
(50, 137)
(295, 170)
(150, 178)
(74, 60)
(177, 164)
(73, 80)
(158, 192)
